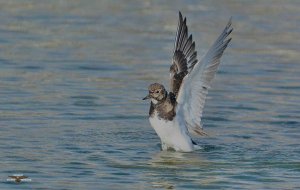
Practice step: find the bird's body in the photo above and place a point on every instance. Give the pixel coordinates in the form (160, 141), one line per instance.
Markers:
(18, 178)
(162, 117)
(176, 114)
(172, 135)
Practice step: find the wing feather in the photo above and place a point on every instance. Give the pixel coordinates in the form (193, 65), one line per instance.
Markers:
(184, 56)
(195, 85)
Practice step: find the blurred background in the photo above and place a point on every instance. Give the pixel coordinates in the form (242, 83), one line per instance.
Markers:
(73, 73)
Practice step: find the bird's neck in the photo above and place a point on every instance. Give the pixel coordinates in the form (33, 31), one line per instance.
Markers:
(164, 108)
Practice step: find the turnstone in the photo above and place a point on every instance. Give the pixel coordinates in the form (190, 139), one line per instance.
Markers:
(18, 178)
(176, 114)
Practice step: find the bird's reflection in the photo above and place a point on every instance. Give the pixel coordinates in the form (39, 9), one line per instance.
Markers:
(172, 159)
(168, 167)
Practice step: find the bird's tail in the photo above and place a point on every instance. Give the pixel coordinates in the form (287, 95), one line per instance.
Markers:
(196, 146)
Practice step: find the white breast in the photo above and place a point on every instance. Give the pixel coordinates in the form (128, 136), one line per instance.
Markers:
(172, 133)
(153, 101)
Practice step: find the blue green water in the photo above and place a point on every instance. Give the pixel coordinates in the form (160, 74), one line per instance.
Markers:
(73, 73)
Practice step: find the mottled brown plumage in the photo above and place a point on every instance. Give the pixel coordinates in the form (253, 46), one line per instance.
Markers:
(165, 108)
(162, 102)
(18, 178)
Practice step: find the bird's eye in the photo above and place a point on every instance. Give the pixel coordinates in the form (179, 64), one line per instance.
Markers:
(157, 91)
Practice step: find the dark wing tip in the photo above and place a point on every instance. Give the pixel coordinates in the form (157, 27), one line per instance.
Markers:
(229, 32)
(227, 42)
(180, 17)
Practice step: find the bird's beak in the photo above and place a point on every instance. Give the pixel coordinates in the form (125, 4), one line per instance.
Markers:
(147, 97)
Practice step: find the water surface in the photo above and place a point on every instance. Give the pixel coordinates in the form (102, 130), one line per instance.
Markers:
(73, 75)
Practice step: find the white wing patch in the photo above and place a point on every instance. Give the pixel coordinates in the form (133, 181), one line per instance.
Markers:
(194, 88)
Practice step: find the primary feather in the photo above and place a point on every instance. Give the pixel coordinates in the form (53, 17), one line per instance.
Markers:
(184, 55)
(194, 87)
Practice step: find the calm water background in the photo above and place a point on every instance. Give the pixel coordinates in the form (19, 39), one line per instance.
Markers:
(73, 73)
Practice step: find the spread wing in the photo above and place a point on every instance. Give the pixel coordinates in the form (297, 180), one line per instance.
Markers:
(184, 56)
(194, 88)
(18, 177)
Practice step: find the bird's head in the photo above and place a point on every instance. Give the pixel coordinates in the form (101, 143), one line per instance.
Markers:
(157, 93)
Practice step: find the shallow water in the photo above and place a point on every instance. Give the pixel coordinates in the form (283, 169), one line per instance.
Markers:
(73, 75)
